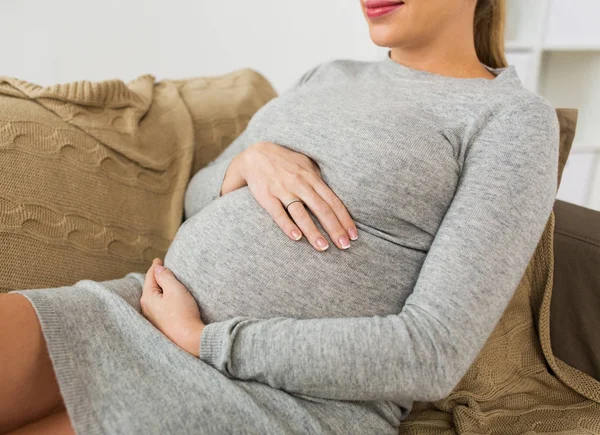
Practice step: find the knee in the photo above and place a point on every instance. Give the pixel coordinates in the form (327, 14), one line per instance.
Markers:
(15, 310)
(20, 329)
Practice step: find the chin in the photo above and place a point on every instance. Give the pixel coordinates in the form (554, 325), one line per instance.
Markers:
(388, 30)
(384, 38)
(388, 37)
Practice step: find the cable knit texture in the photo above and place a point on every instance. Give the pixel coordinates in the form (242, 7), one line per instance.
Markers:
(94, 173)
(509, 389)
(451, 183)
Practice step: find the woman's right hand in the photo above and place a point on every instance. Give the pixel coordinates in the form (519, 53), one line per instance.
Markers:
(275, 175)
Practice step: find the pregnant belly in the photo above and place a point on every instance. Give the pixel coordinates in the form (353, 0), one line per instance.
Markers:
(236, 261)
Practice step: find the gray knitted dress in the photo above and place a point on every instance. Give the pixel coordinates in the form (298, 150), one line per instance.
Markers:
(450, 182)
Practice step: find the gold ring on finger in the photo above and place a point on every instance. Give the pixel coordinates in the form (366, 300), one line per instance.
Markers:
(292, 201)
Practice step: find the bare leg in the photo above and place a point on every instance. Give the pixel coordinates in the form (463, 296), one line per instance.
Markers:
(55, 424)
(28, 387)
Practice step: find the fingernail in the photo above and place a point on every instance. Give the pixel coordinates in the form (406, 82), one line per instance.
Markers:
(344, 242)
(321, 243)
(296, 235)
(353, 233)
(159, 269)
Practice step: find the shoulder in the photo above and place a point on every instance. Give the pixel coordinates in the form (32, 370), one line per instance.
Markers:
(315, 70)
(514, 101)
(526, 104)
(521, 127)
(516, 110)
(334, 69)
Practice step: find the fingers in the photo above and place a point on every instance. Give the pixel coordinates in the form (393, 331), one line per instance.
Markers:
(337, 206)
(281, 218)
(150, 285)
(150, 289)
(299, 219)
(302, 222)
(325, 215)
(282, 175)
(307, 225)
(166, 280)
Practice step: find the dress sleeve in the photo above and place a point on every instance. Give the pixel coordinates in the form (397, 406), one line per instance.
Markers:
(502, 202)
(205, 185)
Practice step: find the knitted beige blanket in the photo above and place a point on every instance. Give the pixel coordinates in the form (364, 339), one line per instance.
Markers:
(516, 385)
(93, 174)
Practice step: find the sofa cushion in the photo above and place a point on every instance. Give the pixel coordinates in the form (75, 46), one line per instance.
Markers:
(567, 119)
(93, 174)
(575, 303)
(221, 107)
(92, 178)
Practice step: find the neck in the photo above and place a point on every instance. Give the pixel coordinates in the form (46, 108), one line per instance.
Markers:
(447, 56)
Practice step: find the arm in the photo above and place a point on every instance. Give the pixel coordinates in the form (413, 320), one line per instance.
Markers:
(205, 185)
(502, 202)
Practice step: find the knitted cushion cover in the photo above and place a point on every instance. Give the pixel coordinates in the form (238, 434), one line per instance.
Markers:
(93, 174)
(516, 385)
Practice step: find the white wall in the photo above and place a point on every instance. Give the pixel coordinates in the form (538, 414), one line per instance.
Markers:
(55, 41)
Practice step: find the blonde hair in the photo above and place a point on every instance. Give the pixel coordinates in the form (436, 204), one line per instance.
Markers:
(490, 18)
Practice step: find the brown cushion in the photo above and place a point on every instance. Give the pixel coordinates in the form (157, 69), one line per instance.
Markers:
(574, 319)
(93, 174)
(567, 119)
(575, 303)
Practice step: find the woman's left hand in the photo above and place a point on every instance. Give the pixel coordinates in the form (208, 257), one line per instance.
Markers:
(171, 308)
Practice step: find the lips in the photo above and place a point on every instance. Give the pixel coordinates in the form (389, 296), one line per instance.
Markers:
(380, 8)
(370, 4)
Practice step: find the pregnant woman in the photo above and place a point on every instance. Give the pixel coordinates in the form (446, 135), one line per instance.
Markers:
(348, 254)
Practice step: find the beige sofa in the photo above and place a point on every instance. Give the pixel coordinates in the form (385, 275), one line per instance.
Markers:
(91, 187)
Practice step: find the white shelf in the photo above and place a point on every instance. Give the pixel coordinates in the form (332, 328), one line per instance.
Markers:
(571, 47)
(518, 46)
(555, 48)
(585, 148)
(572, 23)
(528, 46)
(575, 185)
(570, 79)
(525, 21)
